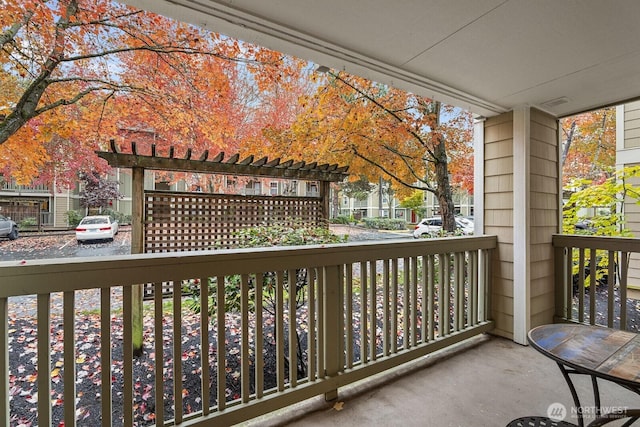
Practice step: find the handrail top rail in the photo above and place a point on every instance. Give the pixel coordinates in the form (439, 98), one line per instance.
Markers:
(625, 244)
(27, 277)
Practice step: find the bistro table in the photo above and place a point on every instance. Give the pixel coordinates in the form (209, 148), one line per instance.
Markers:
(596, 351)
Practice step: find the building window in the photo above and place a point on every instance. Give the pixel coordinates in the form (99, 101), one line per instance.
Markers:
(253, 187)
(312, 189)
(273, 188)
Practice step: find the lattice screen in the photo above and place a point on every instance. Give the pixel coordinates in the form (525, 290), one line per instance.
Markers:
(189, 222)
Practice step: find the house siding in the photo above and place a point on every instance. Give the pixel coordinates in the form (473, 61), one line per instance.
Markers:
(542, 210)
(628, 154)
(498, 215)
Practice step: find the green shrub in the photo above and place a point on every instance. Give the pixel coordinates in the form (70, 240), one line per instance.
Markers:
(74, 218)
(343, 219)
(118, 216)
(28, 222)
(385, 223)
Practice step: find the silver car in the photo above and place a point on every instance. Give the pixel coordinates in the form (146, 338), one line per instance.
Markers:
(8, 228)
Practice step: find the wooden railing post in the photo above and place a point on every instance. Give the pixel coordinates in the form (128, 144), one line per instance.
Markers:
(333, 325)
(559, 260)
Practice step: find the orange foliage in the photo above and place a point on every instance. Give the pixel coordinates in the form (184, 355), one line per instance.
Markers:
(378, 131)
(79, 72)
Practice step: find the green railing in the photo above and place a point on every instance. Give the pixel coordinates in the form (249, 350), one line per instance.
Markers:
(593, 280)
(288, 324)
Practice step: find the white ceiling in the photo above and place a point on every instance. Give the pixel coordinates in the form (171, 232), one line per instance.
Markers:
(489, 56)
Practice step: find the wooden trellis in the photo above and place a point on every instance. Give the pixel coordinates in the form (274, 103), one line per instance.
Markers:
(169, 221)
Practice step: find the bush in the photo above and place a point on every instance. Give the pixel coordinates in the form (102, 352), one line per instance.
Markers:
(28, 222)
(343, 219)
(118, 216)
(385, 223)
(74, 218)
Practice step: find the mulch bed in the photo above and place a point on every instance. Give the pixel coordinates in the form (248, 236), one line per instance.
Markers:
(23, 381)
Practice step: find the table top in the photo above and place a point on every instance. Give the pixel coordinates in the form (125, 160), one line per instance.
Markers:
(607, 353)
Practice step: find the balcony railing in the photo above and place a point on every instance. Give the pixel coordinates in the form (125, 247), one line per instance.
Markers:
(592, 279)
(13, 187)
(307, 321)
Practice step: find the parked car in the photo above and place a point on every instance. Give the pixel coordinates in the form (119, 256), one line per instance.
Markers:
(433, 226)
(8, 228)
(96, 227)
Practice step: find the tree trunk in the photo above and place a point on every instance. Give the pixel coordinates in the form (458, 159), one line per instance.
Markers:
(443, 192)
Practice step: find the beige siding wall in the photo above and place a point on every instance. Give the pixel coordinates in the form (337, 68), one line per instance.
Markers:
(62, 204)
(628, 155)
(543, 214)
(632, 222)
(498, 215)
(632, 125)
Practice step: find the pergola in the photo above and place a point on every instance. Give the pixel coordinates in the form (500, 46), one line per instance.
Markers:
(168, 221)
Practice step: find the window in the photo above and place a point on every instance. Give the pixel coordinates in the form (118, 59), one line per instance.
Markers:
(273, 188)
(312, 189)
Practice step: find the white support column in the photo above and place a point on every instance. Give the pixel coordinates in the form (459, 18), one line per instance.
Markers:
(521, 223)
(478, 176)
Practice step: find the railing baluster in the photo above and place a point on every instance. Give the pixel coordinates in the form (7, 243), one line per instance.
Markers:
(244, 337)
(373, 324)
(177, 350)
(414, 301)
(386, 325)
(461, 291)
(279, 331)
(44, 359)
(4, 361)
(259, 341)
(105, 356)
(394, 305)
(581, 278)
(624, 269)
(293, 338)
(443, 298)
(322, 355)
(312, 324)
(430, 297)
(349, 314)
(204, 346)
(127, 354)
(158, 331)
(593, 283)
(472, 274)
(364, 327)
(406, 313)
(69, 332)
(569, 283)
(611, 281)
(221, 353)
(456, 292)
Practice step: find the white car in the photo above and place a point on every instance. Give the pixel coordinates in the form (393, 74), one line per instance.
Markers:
(433, 226)
(8, 228)
(96, 227)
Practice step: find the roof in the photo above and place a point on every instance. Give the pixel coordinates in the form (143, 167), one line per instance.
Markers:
(488, 56)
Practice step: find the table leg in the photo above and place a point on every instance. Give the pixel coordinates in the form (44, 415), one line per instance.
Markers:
(574, 393)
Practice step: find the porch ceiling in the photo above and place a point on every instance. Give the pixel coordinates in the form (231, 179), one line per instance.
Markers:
(485, 55)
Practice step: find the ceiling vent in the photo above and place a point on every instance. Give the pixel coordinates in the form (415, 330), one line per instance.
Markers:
(555, 102)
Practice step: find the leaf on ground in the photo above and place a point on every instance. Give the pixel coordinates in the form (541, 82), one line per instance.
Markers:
(338, 406)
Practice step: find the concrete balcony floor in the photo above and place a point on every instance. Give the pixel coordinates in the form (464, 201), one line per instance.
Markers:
(487, 381)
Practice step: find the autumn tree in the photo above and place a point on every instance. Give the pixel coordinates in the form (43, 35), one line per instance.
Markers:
(77, 71)
(97, 191)
(589, 145)
(379, 131)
